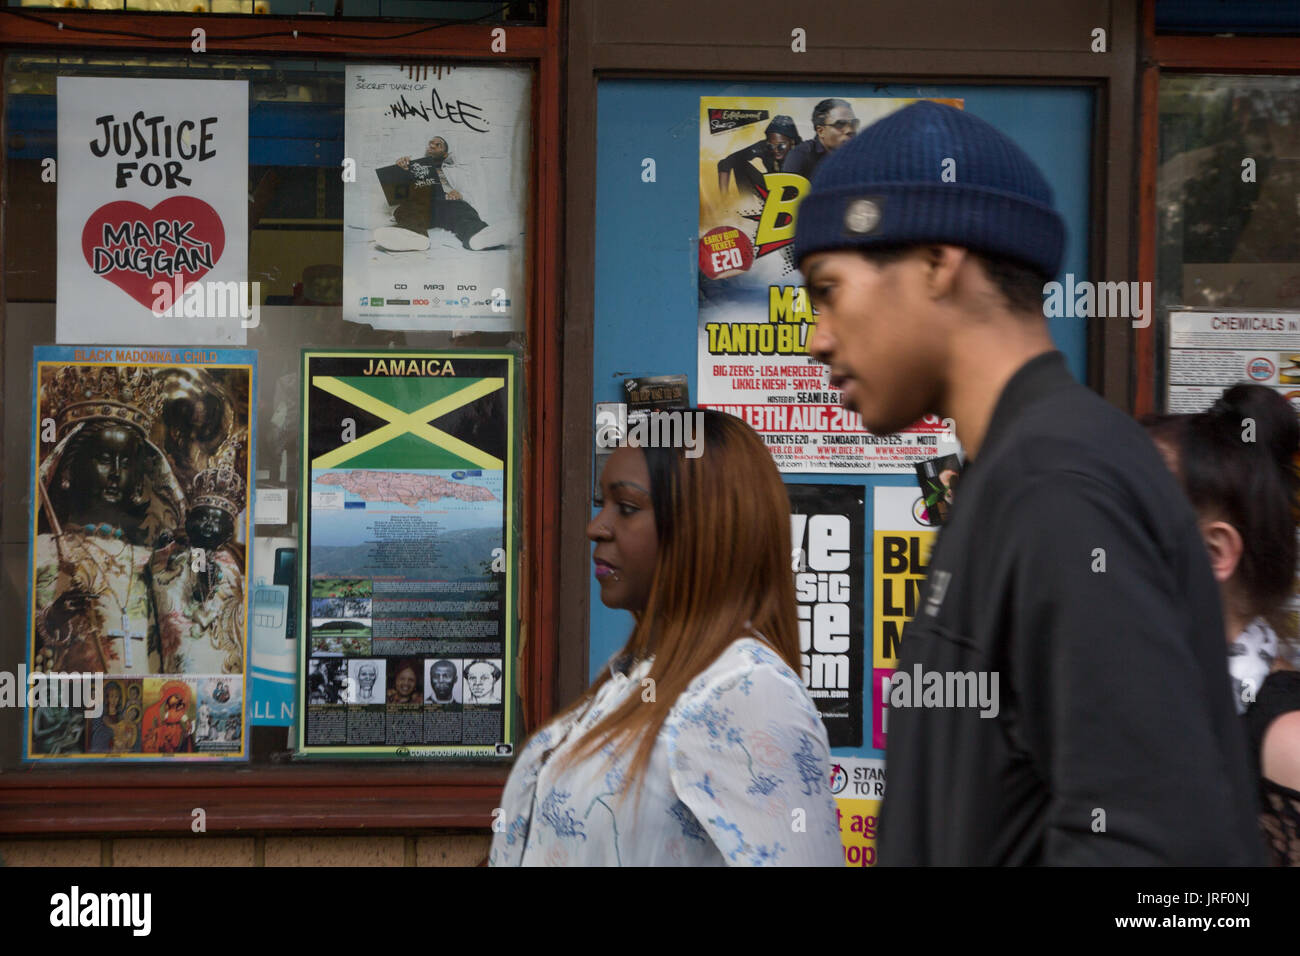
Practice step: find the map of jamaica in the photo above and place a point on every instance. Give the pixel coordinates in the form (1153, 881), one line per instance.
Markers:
(408, 489)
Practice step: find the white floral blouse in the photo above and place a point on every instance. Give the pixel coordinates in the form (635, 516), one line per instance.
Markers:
(738, 776)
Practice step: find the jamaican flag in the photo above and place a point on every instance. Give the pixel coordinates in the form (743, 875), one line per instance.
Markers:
(405, 410)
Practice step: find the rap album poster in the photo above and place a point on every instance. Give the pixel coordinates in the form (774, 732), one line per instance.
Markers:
(407, 590)
(152, 211)
(139, 555)
(434, 219)
(757, 156)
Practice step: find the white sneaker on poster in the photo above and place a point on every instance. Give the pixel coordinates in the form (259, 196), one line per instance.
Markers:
(489, 237)
(397, 239)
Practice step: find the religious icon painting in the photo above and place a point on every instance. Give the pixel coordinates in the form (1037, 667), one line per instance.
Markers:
(137, 626)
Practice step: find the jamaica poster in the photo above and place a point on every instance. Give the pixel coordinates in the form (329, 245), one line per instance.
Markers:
(408, 515)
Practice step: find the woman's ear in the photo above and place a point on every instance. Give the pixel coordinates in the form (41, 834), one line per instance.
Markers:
(1224, 544)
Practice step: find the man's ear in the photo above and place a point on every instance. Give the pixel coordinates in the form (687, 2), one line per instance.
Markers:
(1224, 544)
(942, 265)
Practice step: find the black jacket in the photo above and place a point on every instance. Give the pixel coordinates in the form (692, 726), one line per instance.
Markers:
(804, 158)
(1072, 567)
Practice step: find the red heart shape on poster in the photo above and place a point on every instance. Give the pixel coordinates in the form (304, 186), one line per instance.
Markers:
(134, 247)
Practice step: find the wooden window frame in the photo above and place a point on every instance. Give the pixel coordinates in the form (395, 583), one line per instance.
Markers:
(600, 48)
(317, 796)
(1182, 54)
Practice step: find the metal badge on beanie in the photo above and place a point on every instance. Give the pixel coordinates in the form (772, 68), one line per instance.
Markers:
(862, 216)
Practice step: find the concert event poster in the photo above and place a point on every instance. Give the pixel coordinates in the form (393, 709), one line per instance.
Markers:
(141, 500)
(434, 218)
(755, 317)
(152, 211)
(408, 526)
(827, 533)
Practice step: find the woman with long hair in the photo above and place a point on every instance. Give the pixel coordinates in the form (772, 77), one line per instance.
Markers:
(1236, 462)
(698, 744)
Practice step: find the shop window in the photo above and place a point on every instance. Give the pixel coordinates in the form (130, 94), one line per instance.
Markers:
(1228, 220)
(306, 241)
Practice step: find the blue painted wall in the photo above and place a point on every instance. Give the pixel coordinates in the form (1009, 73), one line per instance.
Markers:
(646, 296)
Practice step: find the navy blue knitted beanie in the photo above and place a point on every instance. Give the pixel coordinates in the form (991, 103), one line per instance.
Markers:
(885, 187)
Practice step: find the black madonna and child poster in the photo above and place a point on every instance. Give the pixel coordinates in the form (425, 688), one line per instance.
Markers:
(408, 527)
(137, 620)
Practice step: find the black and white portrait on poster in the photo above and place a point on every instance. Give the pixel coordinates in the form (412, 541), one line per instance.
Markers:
(435, 196)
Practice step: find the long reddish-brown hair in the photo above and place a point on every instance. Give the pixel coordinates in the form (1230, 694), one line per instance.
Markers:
(723, 570)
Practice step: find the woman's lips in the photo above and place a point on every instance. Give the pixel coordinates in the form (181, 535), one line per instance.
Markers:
(603, 569)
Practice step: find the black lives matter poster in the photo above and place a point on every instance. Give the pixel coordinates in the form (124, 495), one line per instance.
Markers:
(827, 526)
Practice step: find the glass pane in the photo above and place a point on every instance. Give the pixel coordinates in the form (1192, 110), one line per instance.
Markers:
(295, 237)
(1227, 195)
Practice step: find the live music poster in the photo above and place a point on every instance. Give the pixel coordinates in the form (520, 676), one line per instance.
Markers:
(757, 156)
(408, 523)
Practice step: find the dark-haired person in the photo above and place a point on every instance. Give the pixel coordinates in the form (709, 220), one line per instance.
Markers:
(779, 136)
(833, 125)
(406, 683)
(1070, 566)
(698, 745)
(483, 680)
(1236, 462)
(443, 676)
(434, 203)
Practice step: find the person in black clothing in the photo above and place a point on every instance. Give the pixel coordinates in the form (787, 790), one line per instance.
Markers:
(433, 203)
(833, 125)
(1070, 578)
(1236, 462)
(771, 151)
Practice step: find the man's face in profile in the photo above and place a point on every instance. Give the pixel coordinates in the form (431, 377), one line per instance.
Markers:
(876, 329)
(443, 678)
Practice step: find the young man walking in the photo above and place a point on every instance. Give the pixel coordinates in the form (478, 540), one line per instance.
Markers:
(1070, 573)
